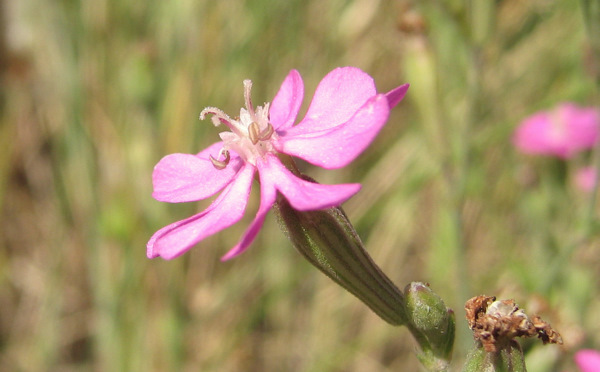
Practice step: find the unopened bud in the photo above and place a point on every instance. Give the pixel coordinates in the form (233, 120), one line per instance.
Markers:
(432, 324)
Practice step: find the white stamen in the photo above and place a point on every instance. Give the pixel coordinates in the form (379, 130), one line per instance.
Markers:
(251, 134)
(221, 117)
(248, 98)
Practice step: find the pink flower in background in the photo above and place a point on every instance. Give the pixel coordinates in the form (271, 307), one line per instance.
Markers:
(585, 178)
(588, 360)
(561, 132)
(345, 115)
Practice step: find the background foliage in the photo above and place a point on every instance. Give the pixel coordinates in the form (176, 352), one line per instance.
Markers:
(94, 93)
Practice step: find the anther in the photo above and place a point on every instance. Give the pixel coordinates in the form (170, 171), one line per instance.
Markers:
(267, 133)
(253, 133)
(220, 164)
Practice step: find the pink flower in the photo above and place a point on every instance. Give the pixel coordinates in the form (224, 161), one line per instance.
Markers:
(343, 118)
(585, 178)
(588, 360)
(561, 132)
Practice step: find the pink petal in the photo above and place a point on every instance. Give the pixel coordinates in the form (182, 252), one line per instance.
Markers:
(184, 177)
(268, 193)
(583, 125)
(303, 195)
(339, 95)
(175, 239)
(562, 132)
(287, 102)
(588, 360)
(396, 95)
(339, 146)
(531, 137)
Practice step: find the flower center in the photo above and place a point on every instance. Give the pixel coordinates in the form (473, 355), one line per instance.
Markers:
(251, 134)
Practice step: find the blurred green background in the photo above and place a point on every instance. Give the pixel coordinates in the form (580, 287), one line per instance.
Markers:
(94, 93)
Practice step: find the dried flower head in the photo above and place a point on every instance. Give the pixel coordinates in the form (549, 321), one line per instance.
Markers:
(495, 323)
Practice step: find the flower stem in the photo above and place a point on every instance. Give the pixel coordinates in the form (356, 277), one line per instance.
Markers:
(327, 240)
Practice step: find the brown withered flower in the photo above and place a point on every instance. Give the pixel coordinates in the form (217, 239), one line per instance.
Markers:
(495, 323)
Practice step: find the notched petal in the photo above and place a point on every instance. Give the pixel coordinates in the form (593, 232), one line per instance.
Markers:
(338, 97)
(184, 177)
(337, 147)
(267, 199)
(175, 239)
(303, 195)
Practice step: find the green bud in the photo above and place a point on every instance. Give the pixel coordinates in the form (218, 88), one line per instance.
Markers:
(327, 239)
(432, 324)
(508, 359)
